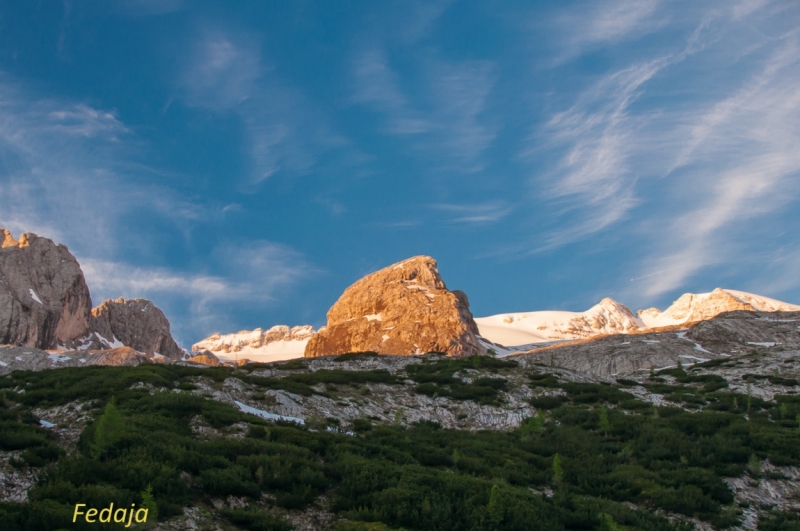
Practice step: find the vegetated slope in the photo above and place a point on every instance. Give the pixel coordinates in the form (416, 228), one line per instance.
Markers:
(401, 441)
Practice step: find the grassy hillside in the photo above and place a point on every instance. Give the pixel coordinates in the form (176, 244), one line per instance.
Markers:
(595, 459)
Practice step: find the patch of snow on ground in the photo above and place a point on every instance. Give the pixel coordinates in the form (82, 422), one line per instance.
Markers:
(650, 341)
(55, 358)
(35, 297)
(3, 364)
(701, 349)
(265, 415)
(46, 424)
(274, 351)
(373, 317)
(763, 344)
(698, 360)
(17, 358)
(110, 344)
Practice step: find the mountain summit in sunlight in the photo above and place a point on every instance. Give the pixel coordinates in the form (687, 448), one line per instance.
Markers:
(612, 317)
(511, 329)
(693, 307)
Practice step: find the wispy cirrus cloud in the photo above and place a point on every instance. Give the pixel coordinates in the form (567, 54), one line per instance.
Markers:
(227, 72)
(250, 276)
(479, 213)
(444, 121)
(591, 25)
(741, 157)
(594, 181)
(70, 172)
(696, 169)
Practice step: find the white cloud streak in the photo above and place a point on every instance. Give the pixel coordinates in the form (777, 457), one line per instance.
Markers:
(228, 73)
(446, 124)
(698, 178)
(480, 213)
(594, 180)
(250, 276)
(742, 155)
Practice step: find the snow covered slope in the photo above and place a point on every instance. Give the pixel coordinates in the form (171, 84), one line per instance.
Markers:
(276, 344)
(701, 306)
(520, 330)
(606, 317)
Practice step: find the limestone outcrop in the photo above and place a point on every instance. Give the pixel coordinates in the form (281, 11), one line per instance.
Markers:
(205, 358)
(44, 299)
(45, 304)
(402, 309)
(135, 323)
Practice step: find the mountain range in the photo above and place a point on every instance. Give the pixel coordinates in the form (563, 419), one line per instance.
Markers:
(405, 308)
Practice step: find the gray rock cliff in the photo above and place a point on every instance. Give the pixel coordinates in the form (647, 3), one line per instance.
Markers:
(44, 299)
(135, 323)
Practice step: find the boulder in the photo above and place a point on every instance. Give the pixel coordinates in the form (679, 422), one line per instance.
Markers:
(206, 358)
(117, 357)
(403, 309)
(44, 299)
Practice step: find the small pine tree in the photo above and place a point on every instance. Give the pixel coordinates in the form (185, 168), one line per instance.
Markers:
(149, 503)
(754, 465)
(558, 471)
(108, 430)
(784, 409)
(533, 426)
(495, 507)
(604, 424)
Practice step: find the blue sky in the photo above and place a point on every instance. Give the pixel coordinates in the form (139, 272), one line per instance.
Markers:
(242, 163)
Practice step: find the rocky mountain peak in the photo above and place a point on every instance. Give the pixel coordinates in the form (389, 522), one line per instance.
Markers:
(136, 323)
(44, 299)
(8, 239)
(404, 309)
(693, 307)
(274, 344)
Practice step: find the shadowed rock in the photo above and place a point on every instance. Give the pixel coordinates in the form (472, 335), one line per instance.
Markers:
(44, 300)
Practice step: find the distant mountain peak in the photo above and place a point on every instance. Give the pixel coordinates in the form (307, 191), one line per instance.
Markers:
(274, 344)
(692, 307)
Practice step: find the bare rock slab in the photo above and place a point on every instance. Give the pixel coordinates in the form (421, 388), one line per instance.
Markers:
(403, 309)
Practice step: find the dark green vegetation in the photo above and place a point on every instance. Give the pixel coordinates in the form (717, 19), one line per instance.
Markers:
(594, 448)
(436, 377)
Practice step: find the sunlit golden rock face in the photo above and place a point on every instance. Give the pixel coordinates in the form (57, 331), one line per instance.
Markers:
(402, 309)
